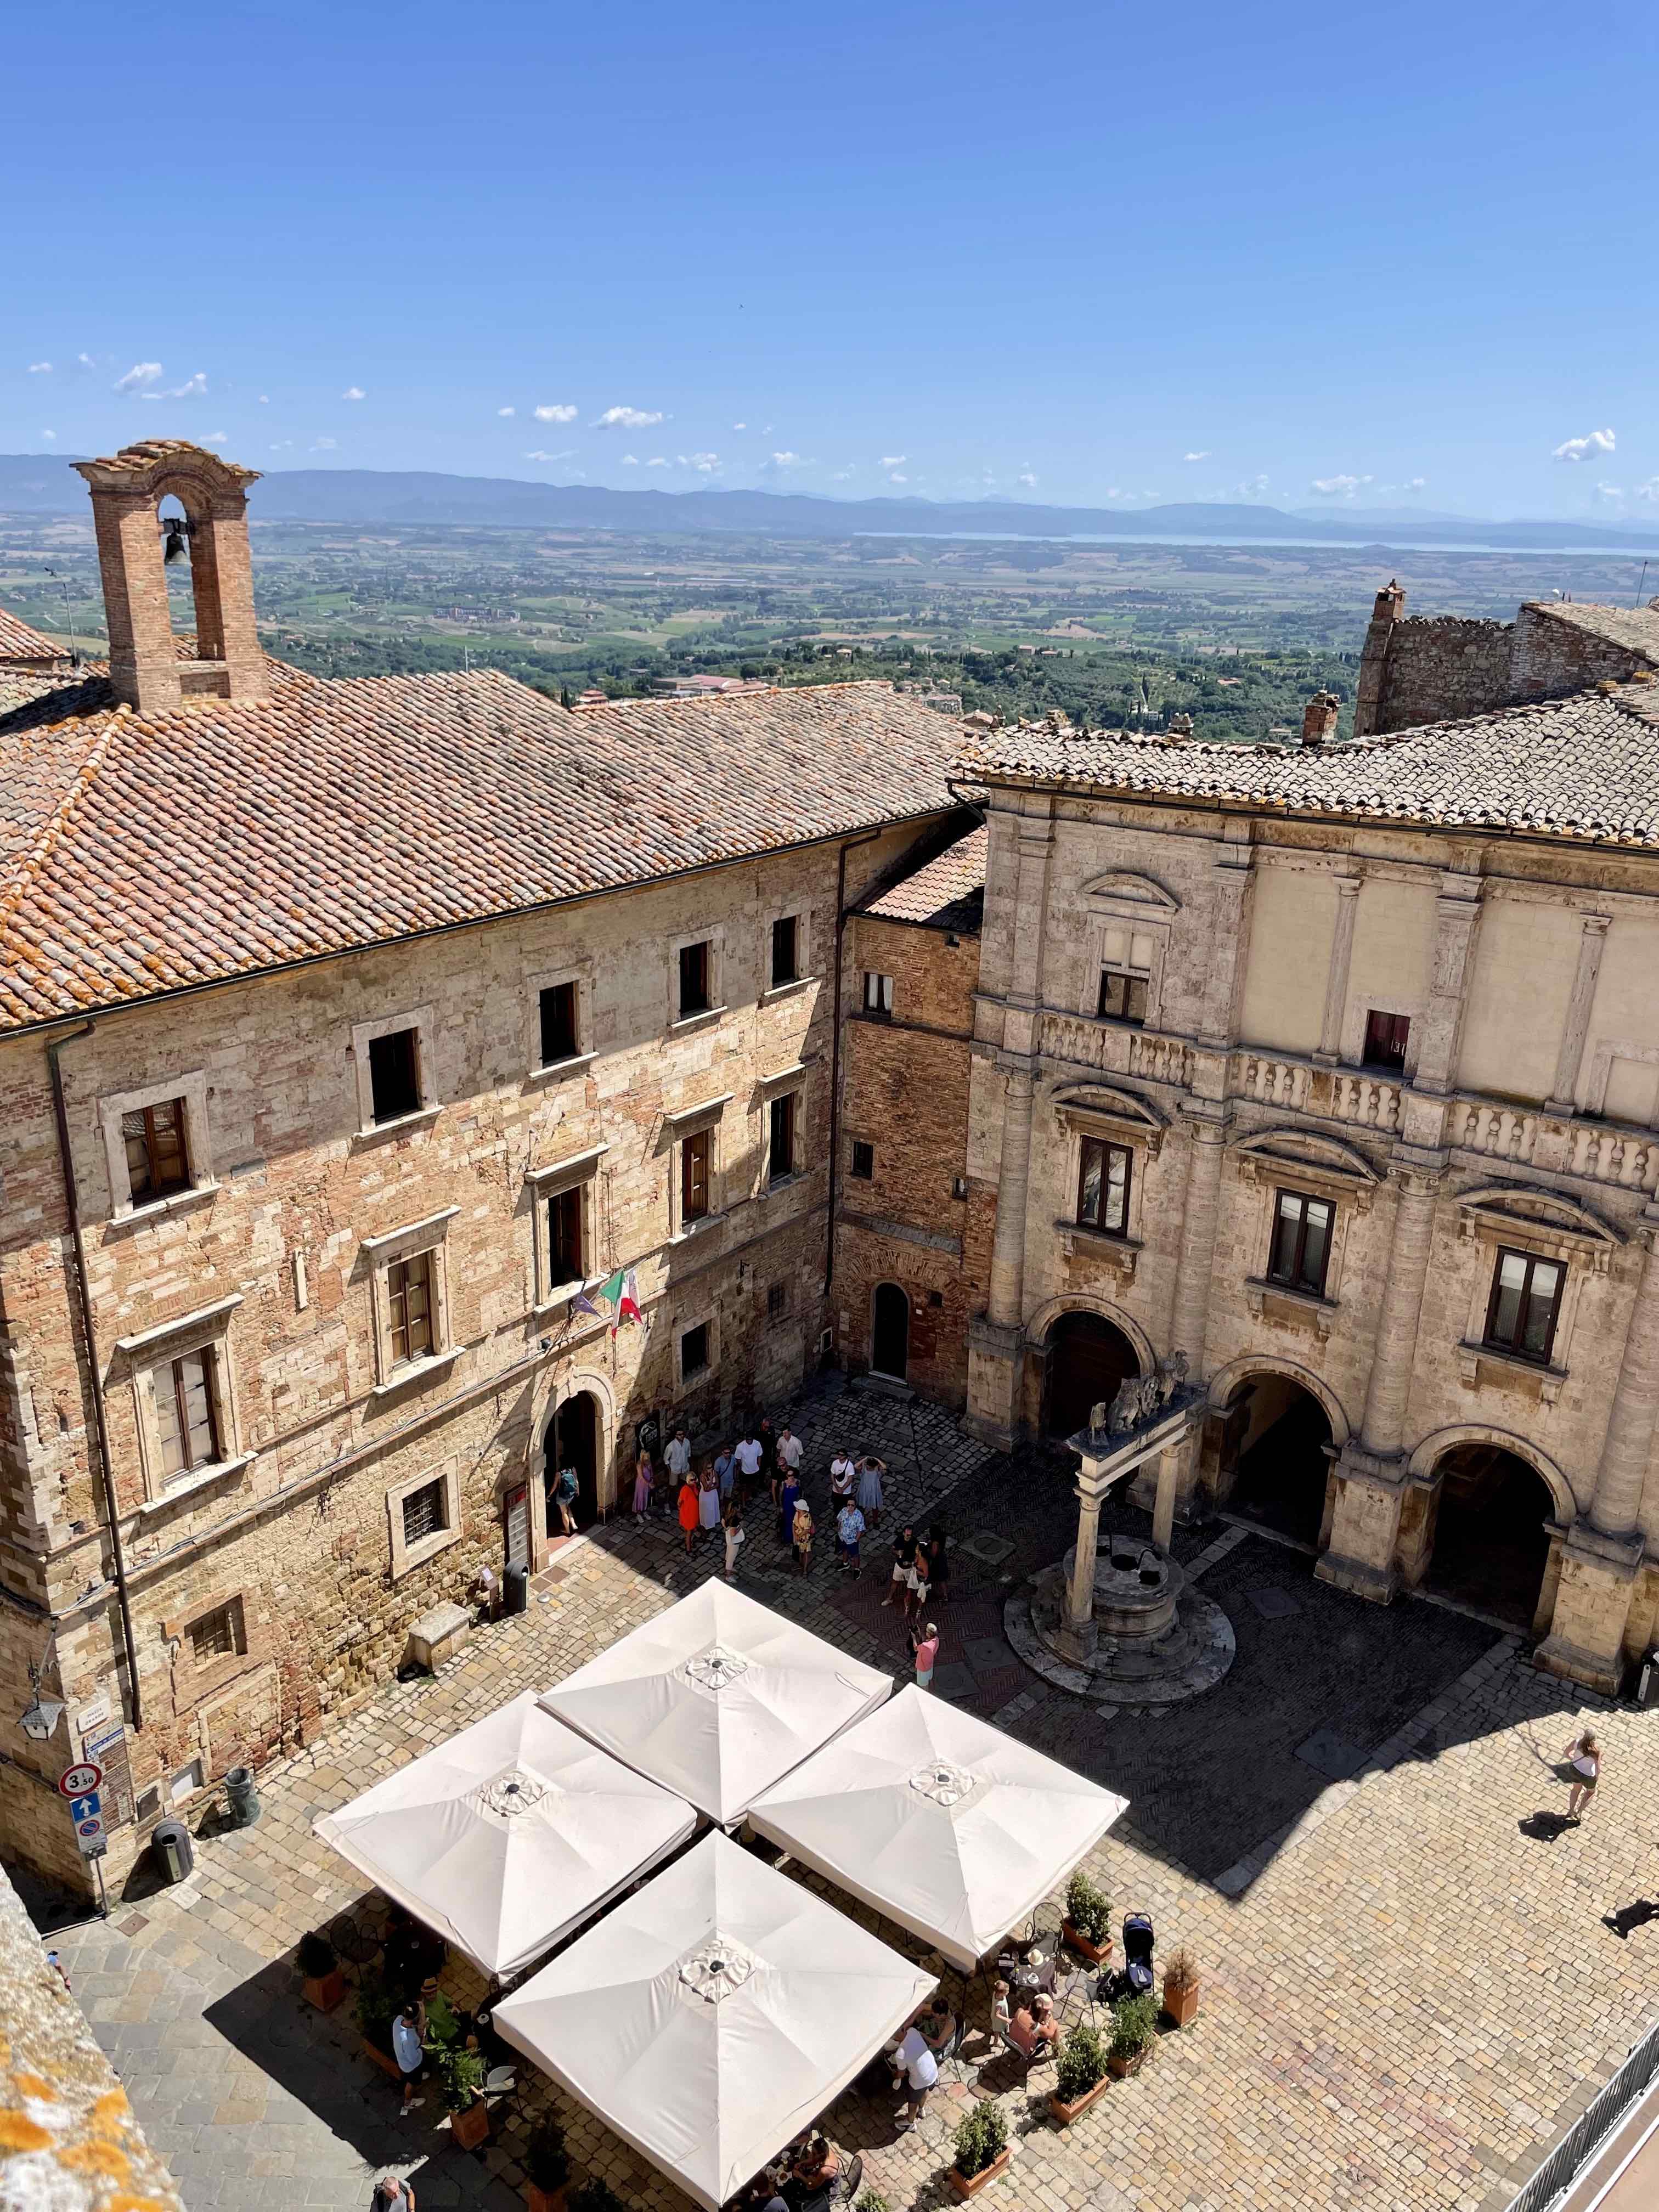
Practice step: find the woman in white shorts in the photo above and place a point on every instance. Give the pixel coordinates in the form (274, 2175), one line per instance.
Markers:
(916, 1585)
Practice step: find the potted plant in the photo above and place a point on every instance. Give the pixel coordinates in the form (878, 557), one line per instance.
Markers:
(547, 2163)
(1080, 2074)
(595, 2195)
(1087, 1925)
(460, 2073)
(982, 2149)
(872, 2200)
(320, 1968)
(1181, 1987)
(376, 2008)
(1135, 2025)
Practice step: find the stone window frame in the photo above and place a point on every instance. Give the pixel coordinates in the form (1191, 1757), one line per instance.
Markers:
(429, 1236)
(196, 1679)
(423, 1021)
(1492, 1220)
(205, 1330)
(559, 1175)
(1410, 1007)
(1117, 1118)
(406, 1558)
(1306, 1166)
(787, 1082)
(714, 935)
(684, 1123)
(538, 1070)
(702, 1317)
(192, 1089)
(1608, 1050)
(1124, 900)
(805, 946)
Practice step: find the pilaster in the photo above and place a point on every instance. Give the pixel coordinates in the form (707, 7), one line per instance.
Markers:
(1336, 979)
(1591, 942)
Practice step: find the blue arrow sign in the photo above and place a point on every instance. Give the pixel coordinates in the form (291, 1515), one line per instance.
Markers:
(86, 1808)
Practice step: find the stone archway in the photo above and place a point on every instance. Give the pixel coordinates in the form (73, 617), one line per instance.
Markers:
(1273, 1432)
(1085, 1358)
(1489, 1513)
(551, 1393)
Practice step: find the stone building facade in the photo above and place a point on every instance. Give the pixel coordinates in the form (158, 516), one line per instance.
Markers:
(351, 1036)
(1336, 1069)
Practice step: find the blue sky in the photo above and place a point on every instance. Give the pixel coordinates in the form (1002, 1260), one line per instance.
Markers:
(1098, 253)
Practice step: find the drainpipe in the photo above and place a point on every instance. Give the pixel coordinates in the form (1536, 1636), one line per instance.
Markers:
(835, 1056)
(89, 1364)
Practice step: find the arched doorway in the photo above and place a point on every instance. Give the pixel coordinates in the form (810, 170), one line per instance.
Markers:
(1491, 1543)
(1273, 1465)
(572, 1440)
(889, 1332)
(1085, 1360)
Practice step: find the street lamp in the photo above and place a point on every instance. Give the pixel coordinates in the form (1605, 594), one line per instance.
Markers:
(41, 1722)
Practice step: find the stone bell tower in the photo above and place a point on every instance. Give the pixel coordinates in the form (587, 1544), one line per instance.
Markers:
(145, 665)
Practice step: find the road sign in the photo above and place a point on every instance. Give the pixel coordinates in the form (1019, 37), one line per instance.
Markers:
(89, 1835)
(75, 1781)
(85, 1809)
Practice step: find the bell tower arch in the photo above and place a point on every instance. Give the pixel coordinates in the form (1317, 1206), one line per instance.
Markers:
(127, 490)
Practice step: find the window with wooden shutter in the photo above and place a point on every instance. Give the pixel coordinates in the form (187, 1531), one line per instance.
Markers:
(158, 1157)
(185, 1415)
(1386, 1039)
(694, 1177)
(409, 1297)
(566, 1258)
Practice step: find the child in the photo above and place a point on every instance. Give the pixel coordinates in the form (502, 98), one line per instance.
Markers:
(734, 1537)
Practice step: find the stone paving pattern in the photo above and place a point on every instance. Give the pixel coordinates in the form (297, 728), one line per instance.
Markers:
(1409, 1990)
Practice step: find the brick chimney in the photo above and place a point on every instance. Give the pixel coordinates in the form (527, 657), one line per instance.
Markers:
(1389, 608)
(127, 490)
(1319, 718)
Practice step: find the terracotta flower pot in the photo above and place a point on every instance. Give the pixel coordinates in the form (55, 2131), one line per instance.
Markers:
(544, 2200)
(969, 2184)
(471, 2127)
(324, 1991)
(1121, 2068)
(1096, 1953)
(1065, 2113)
(383, 2059)
(1180, 2000)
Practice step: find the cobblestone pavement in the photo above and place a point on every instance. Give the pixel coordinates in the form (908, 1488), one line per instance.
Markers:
(1409, 1982)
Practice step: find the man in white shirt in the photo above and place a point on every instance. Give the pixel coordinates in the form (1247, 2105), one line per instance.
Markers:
(916, 2071)
(789, 1451)
(749, 1457)
(678, 1457)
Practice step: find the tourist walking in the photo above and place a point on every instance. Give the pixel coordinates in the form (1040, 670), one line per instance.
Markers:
(801, 1535)
(690, 1512)
(905, 1558)
(936, 1566)
(726, 1471)
(735, 1534)
(565, 1489)
(709, 1501)
(916, 2071)
(643, 1478)
(678, 1457)
(1583, 1755)
(407, 2049)
(926, 1647)
(850, 1527)
(789, 1451)
(748, 1456)
(870, 1471)
(788, 1498)
(391, 2194)
(843, 1474)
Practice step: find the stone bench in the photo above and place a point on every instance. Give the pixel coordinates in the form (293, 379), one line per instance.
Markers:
(437, 1636)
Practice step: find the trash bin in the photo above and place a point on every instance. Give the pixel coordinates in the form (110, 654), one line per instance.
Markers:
(515, 1588)
(172, 1846)
(242, 1799)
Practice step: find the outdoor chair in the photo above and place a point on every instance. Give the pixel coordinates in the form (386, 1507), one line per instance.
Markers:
(848, 2182)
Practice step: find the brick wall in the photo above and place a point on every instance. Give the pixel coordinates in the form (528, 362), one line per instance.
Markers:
(1441, 667)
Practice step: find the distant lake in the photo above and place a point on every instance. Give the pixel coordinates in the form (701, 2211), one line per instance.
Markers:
(1289, 544)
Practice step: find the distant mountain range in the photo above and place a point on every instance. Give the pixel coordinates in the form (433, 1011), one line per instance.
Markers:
(43, 483)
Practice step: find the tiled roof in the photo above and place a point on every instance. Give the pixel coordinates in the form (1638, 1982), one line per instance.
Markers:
(1637, 628)
(947, 892)
(18, 643)
(147, 855)
(1586, 768)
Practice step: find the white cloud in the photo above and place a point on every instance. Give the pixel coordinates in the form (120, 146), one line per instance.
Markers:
(141, 374)
(740, 426)
(1252, 487)
(615, 418)
(558, 412)
(563, 454)
(85, 361)
(1649, 489)
(191, 388)
(1585, 448)
(354, 391)
(781, 463)
(706, 464)
(1611, 492)
(1028, 479)
(1204, 456)
(324, 445)
(1342, 487)
(897, 476)
(507, 410)
(215, 438)
(840, 476)
(660, 461)
(264, 399)
(40, 369)
(630, 460)
(892, 460)
(49, 434)
(283, 446)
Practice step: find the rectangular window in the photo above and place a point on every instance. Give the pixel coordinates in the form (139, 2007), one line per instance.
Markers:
(877, 993)
(1385, 1039)
(558, 1006)
(781, 1116)
(777, 1301)
(1525, 1305)
(694, 1178)
(863, 1161)
(424, 1512)
(694, 1351)
(408, 1298)
(785, 951)
(694, 979)
(158, 1159)
(394, 1074)
(219, 1634)
(186, 1415)
(1125, 975)
(1102, 1198)
(1302, 1242)
(566, 1259)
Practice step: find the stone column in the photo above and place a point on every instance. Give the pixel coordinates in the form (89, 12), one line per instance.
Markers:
(1336, 980)
(1628, 1445)
(1080, 1591)
(1458, 912)
(1008, 1284)
(1576, 1028)
(1206, 1135)
(1169, 1463)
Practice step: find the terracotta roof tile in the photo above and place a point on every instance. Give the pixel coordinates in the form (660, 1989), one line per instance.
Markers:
(948, 892)
(1585, 768)
(18, 642)
(147, 855)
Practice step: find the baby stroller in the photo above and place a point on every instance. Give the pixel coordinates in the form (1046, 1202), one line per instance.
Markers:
(1134, 1977)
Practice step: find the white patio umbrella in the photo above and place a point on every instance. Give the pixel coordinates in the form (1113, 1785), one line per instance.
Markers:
(954, 1829)
(509, 1835)
(714, 2015)
(717, 1698)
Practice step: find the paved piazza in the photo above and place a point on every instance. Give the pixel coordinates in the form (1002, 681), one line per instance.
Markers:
(1408, 1987)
